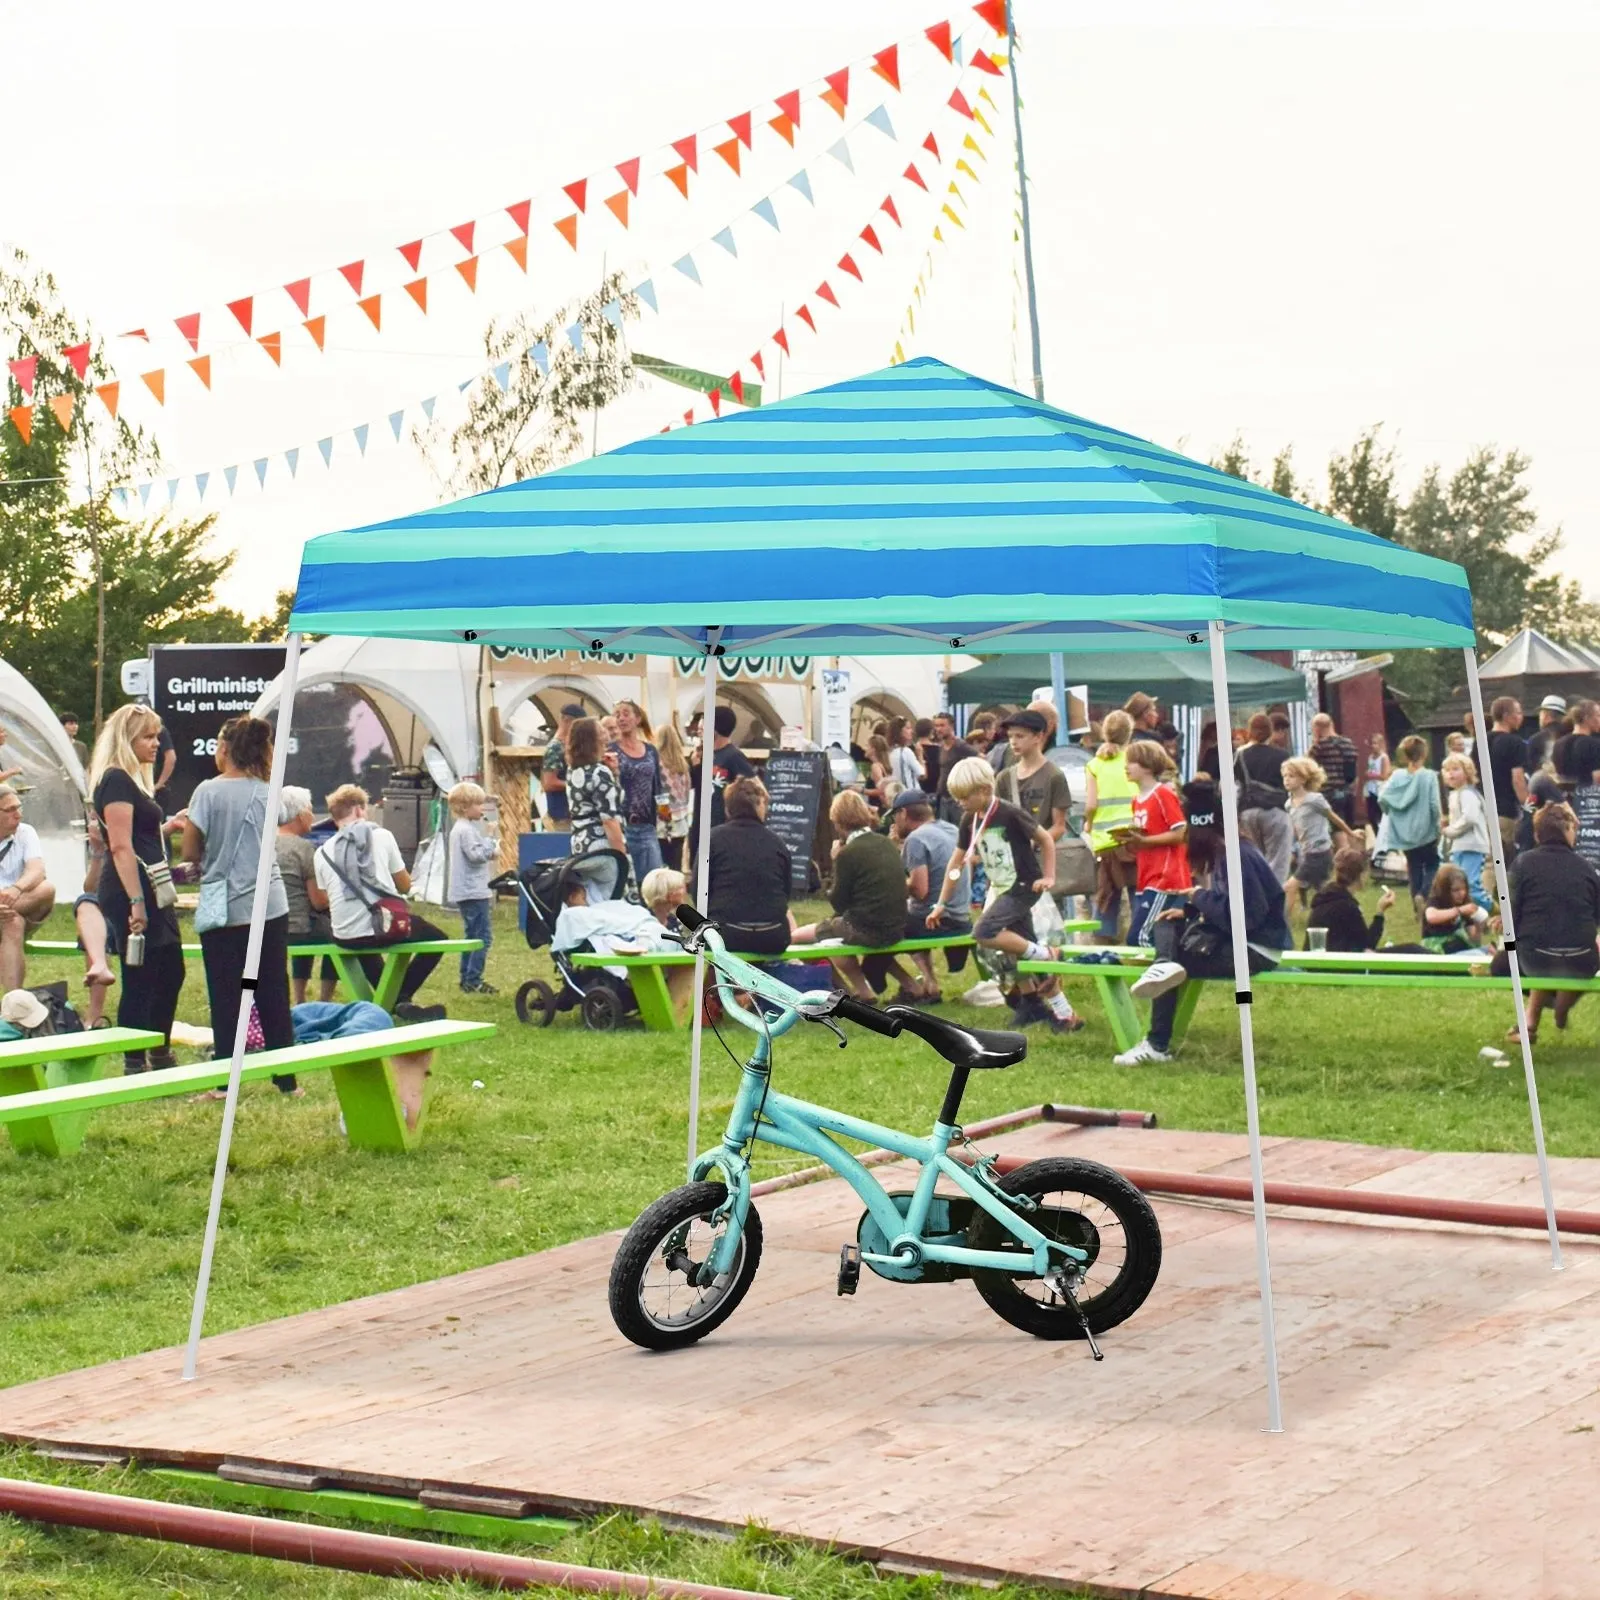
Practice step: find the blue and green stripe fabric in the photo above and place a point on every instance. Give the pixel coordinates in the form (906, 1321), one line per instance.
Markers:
(916, 509)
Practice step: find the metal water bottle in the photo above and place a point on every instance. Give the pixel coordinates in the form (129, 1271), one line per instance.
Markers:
(134, 955)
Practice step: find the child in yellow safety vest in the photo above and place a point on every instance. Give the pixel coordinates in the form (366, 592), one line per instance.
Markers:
(1108, 804)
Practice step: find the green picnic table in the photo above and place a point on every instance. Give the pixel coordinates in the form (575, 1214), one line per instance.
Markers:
(33, 1066)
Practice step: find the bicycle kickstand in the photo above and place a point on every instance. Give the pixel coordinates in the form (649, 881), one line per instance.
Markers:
(1083, 1321)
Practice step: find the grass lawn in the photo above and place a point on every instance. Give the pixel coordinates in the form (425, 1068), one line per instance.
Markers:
(541, 1136)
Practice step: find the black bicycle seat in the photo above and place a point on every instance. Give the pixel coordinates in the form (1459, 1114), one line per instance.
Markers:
(961, 1047)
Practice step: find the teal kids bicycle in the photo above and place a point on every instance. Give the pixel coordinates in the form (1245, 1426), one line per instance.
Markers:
(1060, 1248)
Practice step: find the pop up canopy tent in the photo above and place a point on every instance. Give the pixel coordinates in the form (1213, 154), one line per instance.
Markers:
(51, 779)
(1169, 675)
(916, 509)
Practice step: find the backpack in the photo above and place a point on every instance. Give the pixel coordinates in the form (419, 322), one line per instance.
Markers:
(62, 1018)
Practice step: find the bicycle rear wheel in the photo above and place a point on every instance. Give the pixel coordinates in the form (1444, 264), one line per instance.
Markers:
(654, 1301)
(1087, 1205)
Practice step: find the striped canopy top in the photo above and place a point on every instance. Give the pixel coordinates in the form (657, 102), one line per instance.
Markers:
(914, 510)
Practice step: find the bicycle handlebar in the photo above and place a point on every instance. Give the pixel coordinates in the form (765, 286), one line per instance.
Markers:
(867, 1016)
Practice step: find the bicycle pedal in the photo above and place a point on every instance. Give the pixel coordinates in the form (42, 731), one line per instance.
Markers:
(849, 1268)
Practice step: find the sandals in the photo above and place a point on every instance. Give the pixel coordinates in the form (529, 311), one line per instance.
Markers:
(1515, 1035)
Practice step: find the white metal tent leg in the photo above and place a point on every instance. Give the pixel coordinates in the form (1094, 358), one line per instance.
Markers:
(702, 878)
(252, 968)
(1503, 894)
(1247, 1041)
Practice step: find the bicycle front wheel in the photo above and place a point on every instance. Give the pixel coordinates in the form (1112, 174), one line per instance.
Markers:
(656, 1297)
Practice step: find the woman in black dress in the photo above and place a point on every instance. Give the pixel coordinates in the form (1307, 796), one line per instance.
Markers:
(121, 784)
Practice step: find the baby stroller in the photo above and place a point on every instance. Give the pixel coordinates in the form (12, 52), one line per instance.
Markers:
(603, 999)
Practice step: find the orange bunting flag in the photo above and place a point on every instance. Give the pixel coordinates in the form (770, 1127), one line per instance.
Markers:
(913, 176)
(783, 127)
(729, 151)
(272, 343)
(789, 105)
(688, 152)
(680, 177)
(758, 364)
(201, 367)
(958, 102)
(824, 292)
(373, 306)
(781, 339)
(832, 97)
(517, 249)
(985, 63)
(715, 397)
(411, 254)
(317, 327)
(804, 314)
(932, 144)
(78, 358)
(463, 234)
(189, 327)
(418, 290)
(886, 63)
(352, 274)
(869, 234)
(567, 227)
(617, 204)
(109, 394)
(939, 37)
(839, 83)
(740, 126)
(994, 13)
(736, 387)
(577, 193)
(22, 421)
(243, 311)
(469, 272)
(156, 383)
(847, 264)
(628, 171)
(889, 207)
(61, 406)
(300, 292)
(519, 215)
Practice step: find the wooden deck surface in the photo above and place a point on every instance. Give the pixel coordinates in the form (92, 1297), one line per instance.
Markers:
(1440, 1391)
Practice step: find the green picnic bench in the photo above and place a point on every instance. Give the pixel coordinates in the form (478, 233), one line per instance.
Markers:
(31, 1066)
(1370, 969)
(362, 1068)
(397, 959)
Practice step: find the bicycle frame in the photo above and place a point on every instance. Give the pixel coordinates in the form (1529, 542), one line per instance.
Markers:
(760, 1112)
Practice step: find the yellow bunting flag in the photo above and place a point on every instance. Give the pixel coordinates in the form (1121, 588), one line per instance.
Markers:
(899, 353)
(969, 143)
(977, 116)
(961, 166)
(950, 212)
(156, 383)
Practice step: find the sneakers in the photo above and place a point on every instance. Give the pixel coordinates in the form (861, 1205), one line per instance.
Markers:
(1072, 1024)
(1157, 979)
(406, 1012)
(479, 988)
(1029, 1010)
(1142, 1054)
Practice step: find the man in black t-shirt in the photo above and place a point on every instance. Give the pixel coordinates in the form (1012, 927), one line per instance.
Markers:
(1508, 761)
(728, 762)
(1577, 754)
(951, 752)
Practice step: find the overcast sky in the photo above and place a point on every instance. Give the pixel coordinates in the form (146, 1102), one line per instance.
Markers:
(1291, 218)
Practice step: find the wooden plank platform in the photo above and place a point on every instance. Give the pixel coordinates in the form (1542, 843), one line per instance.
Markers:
(1441, 1389)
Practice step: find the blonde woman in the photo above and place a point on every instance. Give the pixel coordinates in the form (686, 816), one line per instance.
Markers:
(122, 791)
(680, 795)
(1108, 804)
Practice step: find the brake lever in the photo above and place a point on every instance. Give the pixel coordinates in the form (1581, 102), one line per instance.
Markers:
(811, 1014)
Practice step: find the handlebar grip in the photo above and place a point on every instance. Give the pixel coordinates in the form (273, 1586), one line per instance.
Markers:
(690, 918)
(869, 1017)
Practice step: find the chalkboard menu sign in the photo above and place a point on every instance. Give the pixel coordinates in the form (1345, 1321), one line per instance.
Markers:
(798, 782)
(1585, 801)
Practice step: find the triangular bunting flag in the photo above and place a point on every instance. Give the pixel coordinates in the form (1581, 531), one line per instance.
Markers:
(994, 13)
(317, 327)
(617, 204)
(293, 458)
(870, 235)
(574, 332)
(189, 327)
(937, 235)
(685, 265)
(201, 479)
(540, 354)
(78, 359)
(847, 264)
(729, 151)
(969, 143)
(464, 385)
(463, 233)
(427, 407)
(962, 165)
(517, 249)
(824, 292)
(519, 215)
(612, 312)
(261, 471)
(985, 63)
(397, 421)
(502, 376)
(22, 421)
(781, 339)
(628, 171)
(804, 314)
(144, 494)
(889, 207)
(741, 128)
(899, 354)
(201, 366)
(646, 291)
(122, 497)
(688, 416)
(243, 311)
(951, 188)
(232, 475)
(831, 97)
(841, 153)
(725, 239)
(325, 446)
(765, 209)
(802, 182)
(913, 176)
(715, 397)
(567, 227)
(758, 364)
(300, 292)
(135, 333)
(352, 274)
(24, 370)
(418, 290)
(783, 127)
(958, 48)
(931, 145)
(172, 490)
(879, 118)
(688, 151)
(109, 394)
(939, 37)
(680, 179)
(980, 119)
(413, 254)
(272, 343)
(373, 306)
(361, 436)
(886, 63)
(950, 212)
(156, 383)
(958, 102)
(469, 272)
(789, 105)
(839, 83)
(577, 193)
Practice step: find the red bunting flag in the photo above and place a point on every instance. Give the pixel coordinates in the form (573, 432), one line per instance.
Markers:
(913, 176)
(577, 193)
(618, 205)
(789, 105)
(463, 233)
(61, 406)
(688, 151)
(109, 394)
(24, 370)
(886, 63)
(300, 292)
(740, 125)
(889, 206)
(994, 13)
(243, 311)
(847, 264)
(804, 314)
(78, 359)
(373, 306)
(567, 227)
(781, 339)
(986, 63)
(930, 143)
(824, 292)
(869, 234)
(736, 387)
(628, 171)
(201, 367)
(317, 327)
(783, 127)
(688, 416)
(411, 254)
(839, 83)
(715, 397)
(517, 249)
(729, 151)
(22, 421)
(758, 364)
(352, 274)
(135, 333)
(418, 290)
(156, 383)
(519, 215)
(958, 102)
(469, 272)
(189, 327)
(272, 343)
(939, 37)
(680, 178)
